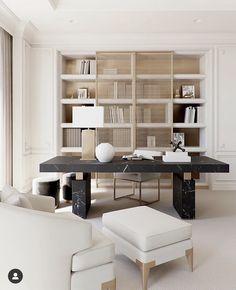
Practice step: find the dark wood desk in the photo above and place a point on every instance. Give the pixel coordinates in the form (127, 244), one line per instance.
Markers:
(183, 188)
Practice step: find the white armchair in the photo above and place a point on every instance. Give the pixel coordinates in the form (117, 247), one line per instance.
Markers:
(53, 251)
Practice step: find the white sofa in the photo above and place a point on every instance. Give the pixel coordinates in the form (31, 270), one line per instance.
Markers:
(53, 251)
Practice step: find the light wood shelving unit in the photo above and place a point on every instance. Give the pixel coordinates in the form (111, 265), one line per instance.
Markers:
(71, 79)
(137, 90)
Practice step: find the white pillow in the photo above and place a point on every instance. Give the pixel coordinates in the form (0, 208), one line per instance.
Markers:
(13, 197)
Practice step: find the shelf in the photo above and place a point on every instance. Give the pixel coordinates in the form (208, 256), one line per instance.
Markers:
(71, 101)
(153, 77)
(189, 125)
(117, 125)
(123, 149)
(189, 76)
(153, 101)
(71, 149)
(115, 77)
(67, 125)
(161, 149)
(153, 125)
(188, 101)
(80, 55)
(195, 149)
(78, 77)
(115, 101)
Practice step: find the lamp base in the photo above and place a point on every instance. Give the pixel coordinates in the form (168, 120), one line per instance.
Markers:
(88, 145)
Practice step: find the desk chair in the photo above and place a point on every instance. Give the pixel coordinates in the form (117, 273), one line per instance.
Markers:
(137, 178)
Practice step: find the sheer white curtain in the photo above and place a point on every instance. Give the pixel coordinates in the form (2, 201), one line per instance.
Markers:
(5, 108)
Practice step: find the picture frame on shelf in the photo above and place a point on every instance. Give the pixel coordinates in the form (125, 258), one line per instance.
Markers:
(179, 137)
(188, 91)
(82, 93)
(151, 141)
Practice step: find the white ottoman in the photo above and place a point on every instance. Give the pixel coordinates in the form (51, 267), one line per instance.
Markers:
(149, 237)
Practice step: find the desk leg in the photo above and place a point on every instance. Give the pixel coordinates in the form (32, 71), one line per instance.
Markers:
(184, 196)
(81, 195)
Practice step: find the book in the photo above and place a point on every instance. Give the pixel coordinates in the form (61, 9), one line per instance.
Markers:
(200, 114)
(86, 67)
(187, 115)
(81, 70)
(192, 114)
(115, 90)
(92, 69)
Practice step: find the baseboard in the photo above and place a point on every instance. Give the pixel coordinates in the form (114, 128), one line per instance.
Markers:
(223, 186)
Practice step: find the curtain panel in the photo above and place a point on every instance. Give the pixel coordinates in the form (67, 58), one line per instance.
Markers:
(5, 108)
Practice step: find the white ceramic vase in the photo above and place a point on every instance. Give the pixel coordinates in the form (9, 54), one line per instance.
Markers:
(105, 152)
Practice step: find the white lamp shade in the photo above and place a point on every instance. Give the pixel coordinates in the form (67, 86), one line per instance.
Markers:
(88, 117)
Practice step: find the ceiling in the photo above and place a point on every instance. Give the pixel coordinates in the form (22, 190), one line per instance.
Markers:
(127, 16)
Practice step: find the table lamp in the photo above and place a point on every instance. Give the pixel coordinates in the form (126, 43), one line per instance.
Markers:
(88, 117)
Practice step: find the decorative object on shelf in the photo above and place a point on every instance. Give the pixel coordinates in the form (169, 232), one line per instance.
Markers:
(88, 117)
(177, 93)
(188, 91)
(151, 141)
(178, 137)
(83, 93)
(177, 146)
(105, 152)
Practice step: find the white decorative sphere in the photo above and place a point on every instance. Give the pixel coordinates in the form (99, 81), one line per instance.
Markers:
(105, 152)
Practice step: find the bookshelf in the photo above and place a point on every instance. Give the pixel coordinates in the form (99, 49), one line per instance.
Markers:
(142, 97)
(77, 72)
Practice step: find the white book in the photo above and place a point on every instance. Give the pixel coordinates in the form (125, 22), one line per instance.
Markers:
(200, 114)
(92, 70)
(81, 71)
(192, 114)
(86, 67)
(187, 115)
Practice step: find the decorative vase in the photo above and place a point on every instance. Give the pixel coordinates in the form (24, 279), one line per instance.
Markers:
(105, 152)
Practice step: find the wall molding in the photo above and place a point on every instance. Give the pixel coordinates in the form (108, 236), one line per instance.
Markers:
(8, 20)
(131, 41)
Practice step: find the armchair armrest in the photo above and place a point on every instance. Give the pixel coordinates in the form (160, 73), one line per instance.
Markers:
(41, 203)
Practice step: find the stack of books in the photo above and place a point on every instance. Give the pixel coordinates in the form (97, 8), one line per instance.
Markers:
(87, 66)
(116, 114)
(193, 114)
(72, 137)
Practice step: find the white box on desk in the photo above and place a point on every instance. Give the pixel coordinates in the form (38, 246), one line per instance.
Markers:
(176, 157)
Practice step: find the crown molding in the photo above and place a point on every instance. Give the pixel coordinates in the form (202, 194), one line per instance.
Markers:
(8, 20)
(130, 41)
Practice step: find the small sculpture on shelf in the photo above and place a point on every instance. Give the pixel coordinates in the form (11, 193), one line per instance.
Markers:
(177, 146)
(177, 93)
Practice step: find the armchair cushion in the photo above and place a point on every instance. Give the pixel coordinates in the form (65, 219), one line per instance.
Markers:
(101, 252)
(12, 196)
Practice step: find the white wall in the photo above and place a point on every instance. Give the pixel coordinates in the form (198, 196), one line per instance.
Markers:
(43, 110)
(41, 103)
(225, 114)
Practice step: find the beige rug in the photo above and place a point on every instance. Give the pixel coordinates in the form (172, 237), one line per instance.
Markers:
(214, 236)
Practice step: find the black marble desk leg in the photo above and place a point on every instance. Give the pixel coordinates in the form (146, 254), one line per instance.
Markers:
(81, 195)
(184, 196)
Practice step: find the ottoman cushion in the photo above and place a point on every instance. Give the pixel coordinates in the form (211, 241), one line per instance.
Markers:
(146, 228)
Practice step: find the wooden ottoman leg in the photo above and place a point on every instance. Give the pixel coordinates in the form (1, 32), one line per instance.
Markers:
(189, 257)
(145, 269)
(110, 285)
